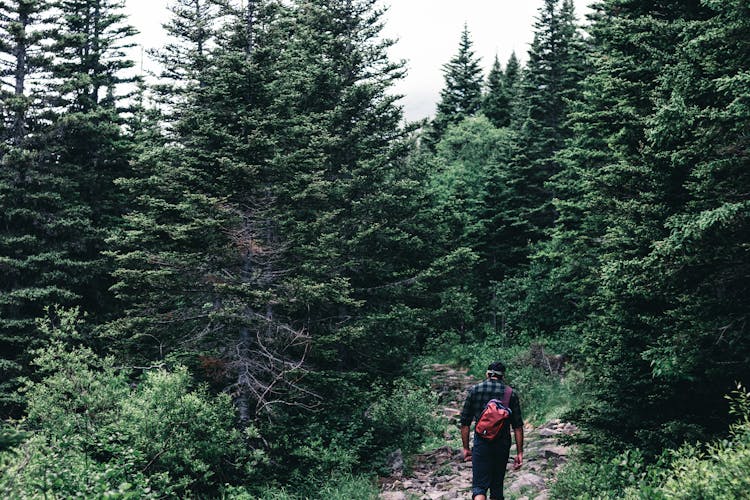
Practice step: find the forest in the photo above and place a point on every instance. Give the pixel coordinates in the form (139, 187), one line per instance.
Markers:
(225, 281)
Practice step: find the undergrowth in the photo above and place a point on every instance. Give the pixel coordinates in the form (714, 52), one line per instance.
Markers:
(543, 396)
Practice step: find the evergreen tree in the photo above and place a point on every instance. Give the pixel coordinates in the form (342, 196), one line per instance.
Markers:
(522, 189)
(555, 67)
(38, 225)
(198, 258)
(86, 92)
(512, 74)
(495, 104)
(699, 148)
(461, 97)
(354, 218)
(630, 193)
(500, 93)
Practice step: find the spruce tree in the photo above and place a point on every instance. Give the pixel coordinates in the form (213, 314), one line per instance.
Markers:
(87, 89)
(522, 189)
(37, 234)
(500, 93)
(461, 96)
(555, 67)
(629, 194)
(512, 74)
(699, 143)
(495, 104)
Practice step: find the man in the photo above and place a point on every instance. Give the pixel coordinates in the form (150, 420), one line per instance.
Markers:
(490, 458)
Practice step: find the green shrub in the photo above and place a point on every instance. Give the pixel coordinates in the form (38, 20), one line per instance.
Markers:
(716, 472)
(605, 478)
(403, 418)
(96, 435)
(343, 487)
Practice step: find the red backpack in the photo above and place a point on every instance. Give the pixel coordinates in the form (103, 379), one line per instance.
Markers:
(492, 419)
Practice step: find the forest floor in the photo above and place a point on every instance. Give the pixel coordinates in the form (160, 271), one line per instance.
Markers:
(441, 474)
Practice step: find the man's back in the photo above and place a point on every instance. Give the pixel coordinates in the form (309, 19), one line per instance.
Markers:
(490, 457)
(480, 394)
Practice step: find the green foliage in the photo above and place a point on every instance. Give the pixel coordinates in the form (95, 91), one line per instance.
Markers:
(404, 417)
(717, 470)
(62, 144)
(93, 432)
(358, 434)
(603, 477)
(720, 471)
(461, 97)
(339, 487)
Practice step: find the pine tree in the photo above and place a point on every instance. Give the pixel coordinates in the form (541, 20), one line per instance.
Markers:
(629, 192)
(353, 215)
(555, 67)
(500, 94)
(699, 143)
(495, 104)
(521, 188)
(87, 89)
(37, 231)
(512, 74)
(461, 97)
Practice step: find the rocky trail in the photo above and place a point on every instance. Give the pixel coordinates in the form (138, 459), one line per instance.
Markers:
(441, 474)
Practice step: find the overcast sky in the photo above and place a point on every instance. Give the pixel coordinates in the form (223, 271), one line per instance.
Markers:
(428, 32)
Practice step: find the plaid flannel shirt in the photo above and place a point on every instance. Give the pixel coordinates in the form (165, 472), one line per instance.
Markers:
(479, 395)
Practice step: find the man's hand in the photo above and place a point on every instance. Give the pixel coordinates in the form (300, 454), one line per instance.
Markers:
(518, 462)
(465, 442)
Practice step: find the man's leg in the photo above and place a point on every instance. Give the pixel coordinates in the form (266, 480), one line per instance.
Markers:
(497, 472)
(481, 460)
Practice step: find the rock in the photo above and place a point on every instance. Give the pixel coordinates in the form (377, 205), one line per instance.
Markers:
(554, 451)
(543, 495)
(551, 424)
(569, 429)
(438, 495)
(395, 463)
(527, 480)
(548, 432)
(393, 495)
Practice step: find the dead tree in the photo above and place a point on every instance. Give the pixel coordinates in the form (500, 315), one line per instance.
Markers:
(267, 358)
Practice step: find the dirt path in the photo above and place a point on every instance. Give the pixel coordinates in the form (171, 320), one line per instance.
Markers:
(441, 474)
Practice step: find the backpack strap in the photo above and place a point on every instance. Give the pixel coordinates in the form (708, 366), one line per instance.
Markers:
(506, 396)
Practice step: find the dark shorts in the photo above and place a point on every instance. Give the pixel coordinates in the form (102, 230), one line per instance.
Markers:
(488, 462)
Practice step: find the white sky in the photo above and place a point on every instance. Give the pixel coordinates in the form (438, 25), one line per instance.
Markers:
(428, 32)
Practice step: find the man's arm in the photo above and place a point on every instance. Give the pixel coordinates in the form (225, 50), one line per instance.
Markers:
(518, 462)
(466, 419)
(465, 441)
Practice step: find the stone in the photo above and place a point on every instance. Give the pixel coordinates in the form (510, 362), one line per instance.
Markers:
(554, 451)
(438, 495)
(527, 480)
(393, 495)
(395, 462)
(548, 432)
(542, 495)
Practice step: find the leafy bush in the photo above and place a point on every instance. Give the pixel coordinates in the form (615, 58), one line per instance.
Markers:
(606, 478)
(404, 417)
(94, 434)
(719, 471)
(343, 487)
